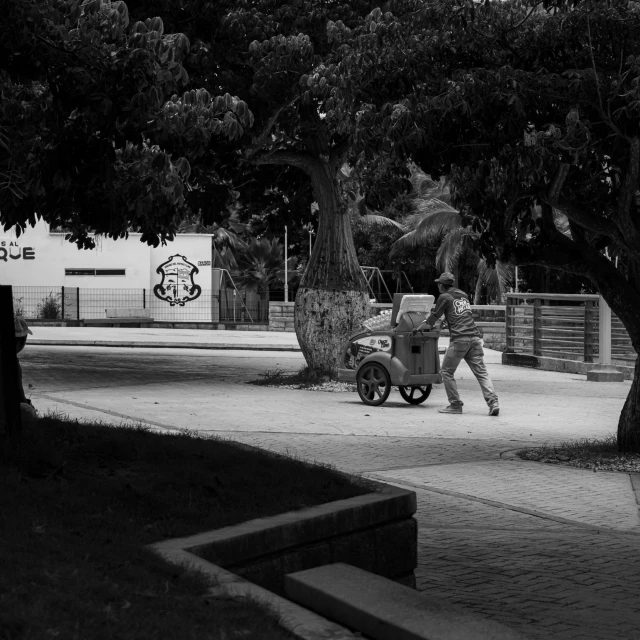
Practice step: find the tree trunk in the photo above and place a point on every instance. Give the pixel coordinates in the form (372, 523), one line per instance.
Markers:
(331, 302)
(623, 296)
(629, 423)
(477, 296)
(624, 302)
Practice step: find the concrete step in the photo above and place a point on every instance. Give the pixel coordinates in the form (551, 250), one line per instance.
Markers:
(385, 610)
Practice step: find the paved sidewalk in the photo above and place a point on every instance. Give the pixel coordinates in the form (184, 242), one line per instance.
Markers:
(550, 550)
(164, 338)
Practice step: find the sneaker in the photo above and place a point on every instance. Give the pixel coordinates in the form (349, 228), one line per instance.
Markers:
(494, 411)
(450, 409)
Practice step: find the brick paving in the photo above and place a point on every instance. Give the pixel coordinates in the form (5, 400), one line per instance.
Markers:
(563, 583)
(546, 549)
(599, 499)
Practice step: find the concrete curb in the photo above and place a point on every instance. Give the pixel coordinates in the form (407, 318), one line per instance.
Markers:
(388, 611)
(164, 345)
(274, 533)
(277, 532)
(548, 363)
(300, 622)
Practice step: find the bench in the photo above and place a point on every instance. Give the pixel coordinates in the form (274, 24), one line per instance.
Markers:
(382, 609)
(122, 315)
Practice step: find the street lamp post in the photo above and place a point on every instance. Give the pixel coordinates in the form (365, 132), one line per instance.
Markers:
(286, 266)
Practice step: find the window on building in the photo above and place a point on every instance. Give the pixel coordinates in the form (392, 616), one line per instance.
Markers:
(110, 272)
(95, 272)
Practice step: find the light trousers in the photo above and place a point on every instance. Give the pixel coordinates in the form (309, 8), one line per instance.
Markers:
(469, 349)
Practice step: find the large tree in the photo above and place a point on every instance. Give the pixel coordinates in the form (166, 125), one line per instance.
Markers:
(282, 58)
(532, 113)
(290, 66)
(96, 131)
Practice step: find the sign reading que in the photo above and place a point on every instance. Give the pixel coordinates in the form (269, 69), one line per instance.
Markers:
(9, 250)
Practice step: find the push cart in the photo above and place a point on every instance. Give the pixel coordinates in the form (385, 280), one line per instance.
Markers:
(379, 357)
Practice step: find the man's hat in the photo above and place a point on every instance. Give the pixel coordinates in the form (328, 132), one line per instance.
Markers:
(446, 278)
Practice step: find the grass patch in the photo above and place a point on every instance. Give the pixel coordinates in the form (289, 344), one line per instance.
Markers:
(305, 378)
(597, 453)
(80, 500)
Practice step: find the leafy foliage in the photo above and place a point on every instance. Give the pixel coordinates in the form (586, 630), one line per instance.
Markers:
(94, 132)
(526, 109)
(260, 264)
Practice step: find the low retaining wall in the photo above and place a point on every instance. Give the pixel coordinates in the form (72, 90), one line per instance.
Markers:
(281, 316)
(493, 334)
(547, 363)
(375, 532)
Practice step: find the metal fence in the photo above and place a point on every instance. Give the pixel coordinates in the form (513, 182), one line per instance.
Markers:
(78, 303)
(561, 326)
(240, 306)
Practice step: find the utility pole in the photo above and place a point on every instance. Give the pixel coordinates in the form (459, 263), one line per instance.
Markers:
(286, 266)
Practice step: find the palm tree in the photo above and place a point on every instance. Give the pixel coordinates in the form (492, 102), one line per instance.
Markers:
(261, 265)
(226, 240)
(434, 217)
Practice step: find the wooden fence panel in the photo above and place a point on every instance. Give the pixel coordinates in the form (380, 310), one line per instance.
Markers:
(561, 326)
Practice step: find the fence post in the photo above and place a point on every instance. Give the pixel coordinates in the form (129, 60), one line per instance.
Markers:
(10, 412)
(508, 325)
(62, 312)
(77, 303)
(604, 371)
(537, 327)
(589, 346)
(144, 298)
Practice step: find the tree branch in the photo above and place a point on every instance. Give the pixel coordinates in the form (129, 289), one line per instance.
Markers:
(259, 141)
(519, 24)
(584, 260)
(73, 54)
(298, 159)
(593, 63)
(338, 154)
(559, 180)
(627, 193)
(582, 217)
(596, 224)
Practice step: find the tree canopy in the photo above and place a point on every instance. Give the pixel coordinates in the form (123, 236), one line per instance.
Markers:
(529, 109)
(532, 114)
(96, 130)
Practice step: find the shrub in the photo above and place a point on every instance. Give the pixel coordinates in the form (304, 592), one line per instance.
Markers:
(50, 308)
(18, 307)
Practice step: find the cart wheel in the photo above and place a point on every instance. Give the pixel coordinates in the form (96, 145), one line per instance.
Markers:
(374, 384)
(415, 395)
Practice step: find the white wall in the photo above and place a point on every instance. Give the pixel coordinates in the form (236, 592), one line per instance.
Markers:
(44, 258)
(39, 259)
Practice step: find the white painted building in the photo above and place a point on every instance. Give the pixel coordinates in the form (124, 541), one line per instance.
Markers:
(173, 281)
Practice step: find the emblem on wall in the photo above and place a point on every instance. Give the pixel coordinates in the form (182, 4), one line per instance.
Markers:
(177, 285)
